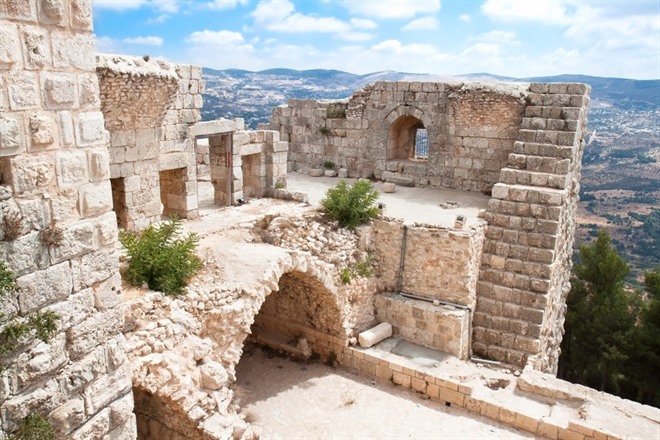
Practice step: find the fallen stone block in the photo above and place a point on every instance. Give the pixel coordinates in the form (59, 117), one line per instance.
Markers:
(375, 335)
(389, 187)
(316, 172)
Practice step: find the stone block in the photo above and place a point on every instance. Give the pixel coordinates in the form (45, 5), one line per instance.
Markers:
(73, 50)
(36, 48)
(68, 416)
(71, 168)
(78, 238)
(99, 164)
(11, 135)
(53, 12)
(10, 53)
(59, 91)
(43, 132)
(93, 331)
(31, 174)
(90, 129)
(66, 128)
(97, 427)
(19, 10)
(389, 187)
(95, 198)
(108, 388)
(24, 92)
(81, 14)
(44, 287)
(401, 379)
(121, 411)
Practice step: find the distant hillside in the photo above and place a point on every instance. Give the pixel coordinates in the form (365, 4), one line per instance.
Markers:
(621, 176)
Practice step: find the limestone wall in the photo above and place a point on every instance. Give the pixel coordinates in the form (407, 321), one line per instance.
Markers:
(471, 130)
(148, 106)
(525, 269)
(439, 263)
(55, 170)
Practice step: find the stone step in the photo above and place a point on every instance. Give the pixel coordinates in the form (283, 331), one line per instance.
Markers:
(533, 178)
(554, 137)
(546, 123)
(528, 194)
(543, 149)
(541, 164)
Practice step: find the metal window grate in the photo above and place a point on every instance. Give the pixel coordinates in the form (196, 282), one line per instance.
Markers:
(421, 144)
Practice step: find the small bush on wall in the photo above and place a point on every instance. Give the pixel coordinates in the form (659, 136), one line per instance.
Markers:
(351, 205)
(161, 257)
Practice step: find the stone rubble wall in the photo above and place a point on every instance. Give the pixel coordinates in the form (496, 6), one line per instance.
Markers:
(55, 170)
(149, 106)
(526, 265)
(471, 129)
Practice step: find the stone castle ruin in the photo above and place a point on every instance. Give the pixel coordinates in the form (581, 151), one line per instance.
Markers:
(92, 143)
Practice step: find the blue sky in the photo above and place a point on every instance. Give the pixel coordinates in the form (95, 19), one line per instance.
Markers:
(518, 38)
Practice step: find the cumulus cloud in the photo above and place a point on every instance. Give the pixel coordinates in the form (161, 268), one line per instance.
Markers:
(216, 38)
(361, 23)
(402, 9)
(424, 23)
(466, 18)
(149, 40)
(106, 44)
(280, 16)
(545, 11)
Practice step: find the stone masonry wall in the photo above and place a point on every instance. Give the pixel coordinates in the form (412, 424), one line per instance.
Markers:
(55, 171)
(148, 107)
(471, 130)
(525, 269)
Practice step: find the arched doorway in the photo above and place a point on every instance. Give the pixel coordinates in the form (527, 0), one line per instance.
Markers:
(407, 139)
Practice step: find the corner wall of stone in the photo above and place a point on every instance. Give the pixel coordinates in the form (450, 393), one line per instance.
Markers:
(54, 167)
(526, 264)
(149, 106)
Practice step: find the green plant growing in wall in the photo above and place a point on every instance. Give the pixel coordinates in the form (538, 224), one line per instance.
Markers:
(34, 427)
(365, 267)
(43, 324)
(325, 131)
(329, 165)
(345, 275)
(160, 257)
(351, 205)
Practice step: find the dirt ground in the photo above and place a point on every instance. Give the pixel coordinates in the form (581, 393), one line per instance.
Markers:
(294, 400)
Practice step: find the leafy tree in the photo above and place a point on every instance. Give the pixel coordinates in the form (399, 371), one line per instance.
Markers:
(600, 320)
(351, 205)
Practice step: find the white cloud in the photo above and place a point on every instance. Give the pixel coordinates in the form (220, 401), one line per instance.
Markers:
(149, 40)
(424, 23)
(225, 4)
(544, 11)
(106, 44)
(361, 23)
(280, 16)
(118, 5)
(466, 18)
(498, 37)
(162, 18)
(216, 38)
(402, 9)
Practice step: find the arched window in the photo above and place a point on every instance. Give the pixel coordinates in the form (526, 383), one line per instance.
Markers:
(407, 139)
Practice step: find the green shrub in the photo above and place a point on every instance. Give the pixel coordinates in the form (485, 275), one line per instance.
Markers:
(160, 257)
(365, 268)
(34, 427)
(329, 165)
(345, 276)
(43, 324)
(351, 205)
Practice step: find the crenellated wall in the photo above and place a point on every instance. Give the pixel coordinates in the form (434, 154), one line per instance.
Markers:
(55, 173)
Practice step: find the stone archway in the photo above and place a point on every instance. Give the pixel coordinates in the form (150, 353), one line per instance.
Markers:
(402, 138)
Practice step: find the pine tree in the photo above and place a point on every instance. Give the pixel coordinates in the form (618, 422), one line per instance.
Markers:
(600, 319)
